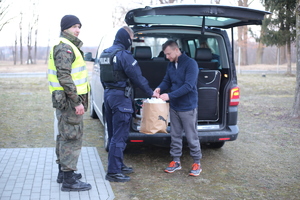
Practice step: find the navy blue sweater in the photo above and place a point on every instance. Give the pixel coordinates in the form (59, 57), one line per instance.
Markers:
(183, 84)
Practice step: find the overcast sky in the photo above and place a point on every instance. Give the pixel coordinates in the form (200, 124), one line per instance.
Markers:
(95, 16)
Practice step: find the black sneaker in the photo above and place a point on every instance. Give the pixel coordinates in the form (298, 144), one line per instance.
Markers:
(117, 177)
(196, 170)
(126, 170)
(60, 176)
(173, 166)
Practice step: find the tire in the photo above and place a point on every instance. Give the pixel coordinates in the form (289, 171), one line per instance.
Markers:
(93, 113)
(106, 138)
(215, 145)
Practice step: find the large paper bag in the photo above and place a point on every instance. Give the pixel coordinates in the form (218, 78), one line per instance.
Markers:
(154, 118)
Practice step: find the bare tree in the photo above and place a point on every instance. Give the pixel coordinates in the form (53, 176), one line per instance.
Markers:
(15, 50)
(243, 37)
(4, 9)
(35, 42)
(21, 39)
(32, 27)
(122, 7)
(296, 107)
(118, 15)
(29, 47)
(48, 49)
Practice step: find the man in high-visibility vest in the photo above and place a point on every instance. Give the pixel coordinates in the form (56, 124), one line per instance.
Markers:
(68, 84)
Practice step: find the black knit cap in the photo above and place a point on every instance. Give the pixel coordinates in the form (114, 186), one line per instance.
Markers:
(69, 20)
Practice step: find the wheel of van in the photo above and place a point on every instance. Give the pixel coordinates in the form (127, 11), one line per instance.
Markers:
(106, 138)
(93, 113)
(215, 145)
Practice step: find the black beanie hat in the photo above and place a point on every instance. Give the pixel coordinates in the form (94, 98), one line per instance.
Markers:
(69, 20)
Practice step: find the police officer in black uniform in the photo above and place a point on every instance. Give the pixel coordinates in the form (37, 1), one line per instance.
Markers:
(118, 104)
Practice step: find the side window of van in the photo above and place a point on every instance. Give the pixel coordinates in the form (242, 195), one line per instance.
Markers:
(192, 47)
(212, 44)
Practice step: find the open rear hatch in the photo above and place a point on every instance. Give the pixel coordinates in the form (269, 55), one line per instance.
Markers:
(218, 16)
(196, 15)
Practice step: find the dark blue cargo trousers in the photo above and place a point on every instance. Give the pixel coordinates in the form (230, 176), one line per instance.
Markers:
(118, 114)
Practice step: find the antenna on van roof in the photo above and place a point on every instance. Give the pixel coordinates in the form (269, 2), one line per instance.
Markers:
(203, 25)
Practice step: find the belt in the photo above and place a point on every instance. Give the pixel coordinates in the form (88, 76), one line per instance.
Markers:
(114, 87)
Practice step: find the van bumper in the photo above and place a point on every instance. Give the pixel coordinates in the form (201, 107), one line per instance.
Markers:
(164, 139)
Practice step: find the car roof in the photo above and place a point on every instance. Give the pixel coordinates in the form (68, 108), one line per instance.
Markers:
(199, 15)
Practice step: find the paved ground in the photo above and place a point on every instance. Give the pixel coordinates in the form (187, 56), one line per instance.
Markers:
(30, 174)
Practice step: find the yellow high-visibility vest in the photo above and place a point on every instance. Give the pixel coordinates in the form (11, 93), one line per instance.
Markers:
(79, 72)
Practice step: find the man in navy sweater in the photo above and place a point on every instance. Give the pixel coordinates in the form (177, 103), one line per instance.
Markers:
(181, 79)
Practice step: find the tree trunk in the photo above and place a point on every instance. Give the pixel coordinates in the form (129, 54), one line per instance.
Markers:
(35, 47)
(296, 107)
(240, 44)
(21, 46)
(15, 51)
(245, 45)
(259, 53)
(260, 50)
(36, 22)
(29, 61)
(283, 56)
(243, 37)
(48, 49)
(29, 47)
(289, 58)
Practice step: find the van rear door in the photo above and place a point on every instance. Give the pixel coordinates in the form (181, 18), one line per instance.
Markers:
(219, 16)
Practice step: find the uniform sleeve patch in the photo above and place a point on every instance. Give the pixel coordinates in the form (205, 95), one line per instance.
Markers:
(134, 62)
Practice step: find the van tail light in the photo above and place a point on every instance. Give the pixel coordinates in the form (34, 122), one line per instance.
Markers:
(136, 141)
(234, 96)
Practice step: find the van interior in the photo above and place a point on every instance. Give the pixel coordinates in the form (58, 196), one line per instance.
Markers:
(207, 49)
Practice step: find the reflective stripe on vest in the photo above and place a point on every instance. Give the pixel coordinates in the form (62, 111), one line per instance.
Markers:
(79, 72)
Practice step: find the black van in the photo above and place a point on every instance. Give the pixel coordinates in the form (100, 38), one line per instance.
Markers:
(199, 31)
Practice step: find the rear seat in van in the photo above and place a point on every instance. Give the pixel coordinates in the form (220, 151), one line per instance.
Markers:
(203, 57)
(153, 70)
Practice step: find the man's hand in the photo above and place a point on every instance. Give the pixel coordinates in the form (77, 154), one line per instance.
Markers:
(164, 97)
(155, 94)
(79, 110)
(157, 90)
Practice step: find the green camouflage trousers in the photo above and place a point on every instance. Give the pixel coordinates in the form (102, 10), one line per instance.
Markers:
(69, 139)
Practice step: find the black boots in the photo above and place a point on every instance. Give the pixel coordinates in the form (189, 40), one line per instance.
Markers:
(60, 176)
(117, 177)
(126, 170)
(120, 177)
(71, 184)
